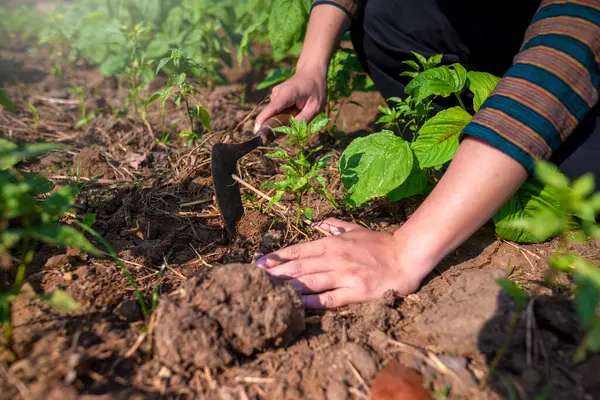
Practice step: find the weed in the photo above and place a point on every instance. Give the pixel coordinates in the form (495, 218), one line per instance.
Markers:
(85, 117)
(182, 88)
(27, 220)
(35, 115)
(301, 176)
(6, 102)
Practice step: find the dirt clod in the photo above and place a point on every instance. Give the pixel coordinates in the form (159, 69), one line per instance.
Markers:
(235, 309)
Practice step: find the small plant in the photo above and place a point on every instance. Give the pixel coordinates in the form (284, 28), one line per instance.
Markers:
(301, 176)
(136, 66)
(85, 117)
(573, 220)
(182, 88)
(34, 115)
(26, 220)
(6, 102)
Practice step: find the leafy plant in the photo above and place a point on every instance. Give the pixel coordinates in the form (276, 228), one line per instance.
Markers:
(574, 219)
(85, 117)
(26, 220)
(412, 167)
(181, 87)
(300, 175)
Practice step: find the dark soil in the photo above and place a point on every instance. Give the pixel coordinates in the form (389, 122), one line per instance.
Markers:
(230, 331)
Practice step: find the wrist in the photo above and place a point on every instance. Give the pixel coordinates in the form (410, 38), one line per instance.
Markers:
(416, 253)
(313, 66)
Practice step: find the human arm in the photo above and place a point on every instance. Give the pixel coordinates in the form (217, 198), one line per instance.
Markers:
(307, 89)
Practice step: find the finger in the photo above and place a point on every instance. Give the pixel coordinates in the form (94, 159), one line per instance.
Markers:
(308, 111)
(283, 100)
(337, 227)
(330, 299)
(295, 252)
(297, 268)
(315, 283)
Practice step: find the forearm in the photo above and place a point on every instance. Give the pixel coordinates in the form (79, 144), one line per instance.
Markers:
(477, 183)
(325, 27)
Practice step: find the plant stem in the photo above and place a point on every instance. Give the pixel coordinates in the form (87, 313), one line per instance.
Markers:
(298, 208)
(460, 101)
(187, 108)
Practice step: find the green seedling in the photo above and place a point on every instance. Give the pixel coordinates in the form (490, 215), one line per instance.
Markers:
(136, 64)
(34, 115)
(300, 175)
(6, 102)
(182, 88)
(85, 117)
(27, 220)
(573, 219)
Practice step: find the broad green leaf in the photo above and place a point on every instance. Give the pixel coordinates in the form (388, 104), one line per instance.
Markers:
(440, 81)
(412, 64)
(59, 234)
(481, 84)
(587, 296)
(421, 58)
(275, 76)
(530, 200)
(373, 166)
(8, 239)
(113, 65)
(280, 185)
(414, 185)
(88, 219)
(59, 202)
(518, 294)
(38, 183)
(60, 301)
(18, 200)
(300, 183)
(275, 199)
(11, 153)
(286, 26)
(438, 138)
(6, 102)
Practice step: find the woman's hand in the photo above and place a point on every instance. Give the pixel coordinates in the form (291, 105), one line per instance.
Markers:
(307, 90)
(353, 265)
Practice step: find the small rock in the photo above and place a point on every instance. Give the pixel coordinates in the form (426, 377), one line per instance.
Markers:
(336, 390)
(452, 362)
(398, 382)
(129, 310)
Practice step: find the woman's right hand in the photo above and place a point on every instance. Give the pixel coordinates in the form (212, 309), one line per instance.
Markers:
(307, 90)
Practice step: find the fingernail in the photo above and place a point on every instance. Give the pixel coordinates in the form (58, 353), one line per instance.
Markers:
(256, 127)
(323, 225)
(261, 262)
(334, 230)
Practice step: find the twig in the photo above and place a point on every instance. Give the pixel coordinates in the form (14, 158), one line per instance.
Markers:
(254, 379)
(200, 257)
(195, 203)
(82, 178)
(136, 345)
(523, 249)
(56, 101)
(358, 377)
(282, 208)
(247, 117)
(358, 393)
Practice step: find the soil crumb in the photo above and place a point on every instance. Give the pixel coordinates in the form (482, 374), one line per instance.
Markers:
(231, 311)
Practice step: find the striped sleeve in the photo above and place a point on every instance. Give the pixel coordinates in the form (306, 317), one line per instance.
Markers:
(350, 7)
(552, 84)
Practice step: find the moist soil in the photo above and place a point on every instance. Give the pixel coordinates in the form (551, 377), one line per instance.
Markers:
(223, 328)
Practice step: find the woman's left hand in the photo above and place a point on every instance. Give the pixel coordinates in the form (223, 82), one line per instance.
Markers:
(353, 265)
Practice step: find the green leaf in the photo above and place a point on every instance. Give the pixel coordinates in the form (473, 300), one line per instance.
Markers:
(204, 117)
(299, 184)
(275, 76)
(414, 185)
(7, 298)
(411, 64)
(18, 200)
(275, 199)
(549, 174)
(481, 84)
(518, 294)
(438, 138)
(374, 165)
(153, 98)
(59, 234)
(279, 153)
(440, 81)
(279, 185)
(530, 200)
(286, 26)
(88, 219)
(60, 301)
(6, 102)
(587, 296)
(318, 123)
(584, 185)
(8, 239)
(11, 153)
(59, 202)
(308, 213)
(162, 64)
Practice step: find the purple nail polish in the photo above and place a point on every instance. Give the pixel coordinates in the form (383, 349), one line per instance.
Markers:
(261, 262)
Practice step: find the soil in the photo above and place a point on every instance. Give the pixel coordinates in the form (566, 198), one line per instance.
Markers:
(223, 328)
